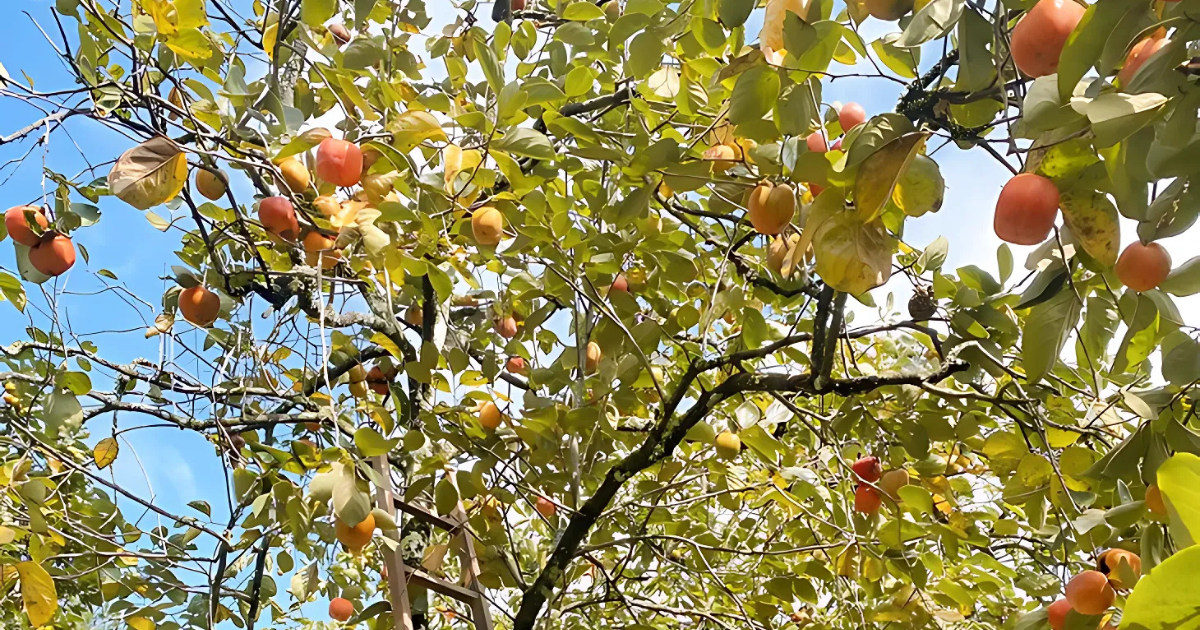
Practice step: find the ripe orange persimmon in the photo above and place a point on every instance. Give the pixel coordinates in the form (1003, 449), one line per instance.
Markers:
(490, 417)
(867, 499)
(1089, 593)
(816, 143)
(487, 225)
(318, 247)
(1026, 209)
(506, 327)
(1038, 39)
(1143, 267)
(1140, 54)
(355, 537)
(339, 32)
(545, 507)
(771, 207)
(851, 115)
(868, 469)
(18, 225)
(199, 306)
(340, 609)
(516, 365)
(1110, 560)
(378, 380)
(339, 162)
(619, 283)
(210, 184)
(279, 218)
(592, 357)
(1057, 614)
(53, 255)
(295, 175)
(1154, 501)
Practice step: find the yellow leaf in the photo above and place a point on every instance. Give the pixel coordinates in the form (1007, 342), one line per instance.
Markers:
(191, 45)
(270, 34)
(387, 344)
(434, 556)
(7, 535)
(149, 174)
(105, 452)
(880, 172)
(1094, 221)
(191, 13)
(853, 257)
(141, 623)
(37, 591)
(414, 127)
(164, 15)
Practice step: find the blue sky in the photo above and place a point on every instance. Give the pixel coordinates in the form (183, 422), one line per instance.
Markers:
(179, 466)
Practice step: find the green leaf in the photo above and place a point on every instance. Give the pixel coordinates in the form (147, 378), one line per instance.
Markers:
(489, 64)
(902, 61)
(362, 53)
(976, 68)
(1181, 363)
(370, 443)
(1046, 330)
(1116, 116)
(645, 54)
(582, 11)
(13, 290)
(880, 172)
(933, 21)
(362, 8)
(733, 13)
(350, 504)
(314, 13)
(754, 94)
(1179, 481)
(813, 45)
(1087, 41)
(1168, 597)
(1044, 109)
(526, 142)
(445, 496)
(1183, 280)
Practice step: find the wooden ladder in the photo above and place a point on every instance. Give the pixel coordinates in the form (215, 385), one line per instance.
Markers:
(470, 592)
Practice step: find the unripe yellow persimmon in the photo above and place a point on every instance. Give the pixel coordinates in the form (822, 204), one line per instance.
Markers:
(487, 225)
(729, 445)
(489, 416)
(594, 355)
(209, 184)
(295, 175)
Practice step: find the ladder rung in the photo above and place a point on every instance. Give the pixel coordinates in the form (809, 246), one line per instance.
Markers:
(444, 587)
(425, 515)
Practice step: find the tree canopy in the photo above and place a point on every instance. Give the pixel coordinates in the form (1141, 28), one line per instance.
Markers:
(583, 282)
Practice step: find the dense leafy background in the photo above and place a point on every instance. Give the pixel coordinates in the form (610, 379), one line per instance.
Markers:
(1031, 410)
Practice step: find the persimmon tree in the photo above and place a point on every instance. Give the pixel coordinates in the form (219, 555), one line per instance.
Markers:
(590, 271)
